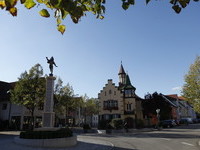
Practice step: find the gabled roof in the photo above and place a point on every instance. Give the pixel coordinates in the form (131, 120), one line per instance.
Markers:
(173, 96)
(167, 100)
(177, 97)
(181, 98)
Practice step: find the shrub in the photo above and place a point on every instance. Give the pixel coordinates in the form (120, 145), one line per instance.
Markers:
(103, 124)
(61, 133)
(117, 123)
(139, 123)
(86, 127)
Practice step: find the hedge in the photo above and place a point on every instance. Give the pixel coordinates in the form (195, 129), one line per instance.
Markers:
(61, 133)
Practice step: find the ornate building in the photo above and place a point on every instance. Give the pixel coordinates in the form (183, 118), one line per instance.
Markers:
(120, 101)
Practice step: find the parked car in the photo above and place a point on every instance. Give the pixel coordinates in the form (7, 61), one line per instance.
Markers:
(198, 120)
(195, 120)
(186, 121)
(168, 123)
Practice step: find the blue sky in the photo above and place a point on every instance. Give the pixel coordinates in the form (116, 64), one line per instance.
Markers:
(155, 45)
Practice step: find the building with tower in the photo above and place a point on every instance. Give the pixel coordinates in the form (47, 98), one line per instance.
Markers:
(120, 101)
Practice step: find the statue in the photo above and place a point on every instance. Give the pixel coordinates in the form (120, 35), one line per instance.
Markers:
(51, 63)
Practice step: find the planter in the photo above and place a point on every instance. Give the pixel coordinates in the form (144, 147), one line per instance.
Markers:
(50, 143)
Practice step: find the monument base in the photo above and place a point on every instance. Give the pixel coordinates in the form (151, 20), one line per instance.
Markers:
(47, 143)
(48, 119)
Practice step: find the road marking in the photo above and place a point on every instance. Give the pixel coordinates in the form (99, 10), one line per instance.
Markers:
(187, 143)
(166, 139)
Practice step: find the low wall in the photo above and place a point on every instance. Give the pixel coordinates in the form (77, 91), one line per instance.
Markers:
(51, 143)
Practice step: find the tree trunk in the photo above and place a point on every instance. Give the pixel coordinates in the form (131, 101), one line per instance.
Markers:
(66, 114)
(85, 121)
(32, 123)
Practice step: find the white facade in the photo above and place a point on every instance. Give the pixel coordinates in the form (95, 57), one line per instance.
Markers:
(95, 120)
(13, 111)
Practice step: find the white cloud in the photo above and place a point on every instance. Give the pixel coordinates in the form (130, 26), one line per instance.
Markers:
(178, 88)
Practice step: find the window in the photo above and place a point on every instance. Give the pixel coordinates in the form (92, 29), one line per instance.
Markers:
(128, 107)
(116, 116)
(110, 104)
(114, 92)
(115, 103)
(129, 93)
(4, 106)
(110, 92)
(107, 117)
(105, 93)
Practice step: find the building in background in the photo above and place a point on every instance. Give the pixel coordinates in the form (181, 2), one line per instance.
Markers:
(120, 101)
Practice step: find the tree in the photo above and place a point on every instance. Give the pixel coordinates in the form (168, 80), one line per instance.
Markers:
(29, 91)
(191, 89)
(76, 8)
(65, 99)
(90, 107)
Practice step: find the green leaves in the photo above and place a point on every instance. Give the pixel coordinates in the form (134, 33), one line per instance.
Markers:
(191, 88)
(179, 4)
(10, 3)
(127, 3)
(29, 4)
(76, 9)
(13, 11)
(2, 4)
(177, 8)
(44, 13)
(61, 28)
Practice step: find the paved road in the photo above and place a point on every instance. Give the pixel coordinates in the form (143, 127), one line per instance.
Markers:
(179, 138)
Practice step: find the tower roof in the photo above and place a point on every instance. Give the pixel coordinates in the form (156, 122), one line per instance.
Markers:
(128, 84)
(121, 70)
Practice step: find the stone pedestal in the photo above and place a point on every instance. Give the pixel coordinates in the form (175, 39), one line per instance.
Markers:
(49, 115)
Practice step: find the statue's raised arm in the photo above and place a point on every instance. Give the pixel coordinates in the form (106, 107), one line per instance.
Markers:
(51, 63)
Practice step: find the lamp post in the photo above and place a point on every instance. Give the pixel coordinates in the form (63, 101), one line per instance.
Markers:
(158, 117)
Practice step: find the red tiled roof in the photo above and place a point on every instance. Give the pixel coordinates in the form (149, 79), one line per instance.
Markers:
(177, 97)
(173, 96)
(182, 98)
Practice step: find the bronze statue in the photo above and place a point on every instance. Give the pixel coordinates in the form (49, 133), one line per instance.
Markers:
(51, 63)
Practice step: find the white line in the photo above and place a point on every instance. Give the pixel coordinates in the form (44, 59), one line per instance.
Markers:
(187, 143)
(166, 139)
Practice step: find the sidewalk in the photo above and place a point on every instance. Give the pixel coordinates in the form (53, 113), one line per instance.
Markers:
(84, 143)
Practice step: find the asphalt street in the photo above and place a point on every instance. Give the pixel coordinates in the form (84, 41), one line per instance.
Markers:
(178, 138)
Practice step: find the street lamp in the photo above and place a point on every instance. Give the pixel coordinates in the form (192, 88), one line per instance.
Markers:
(158, 117)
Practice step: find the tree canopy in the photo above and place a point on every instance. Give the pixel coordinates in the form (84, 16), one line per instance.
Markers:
(29, 91)
(191, 88)
(76, 9)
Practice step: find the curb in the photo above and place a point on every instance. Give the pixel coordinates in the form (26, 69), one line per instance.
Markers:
(47, 143)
